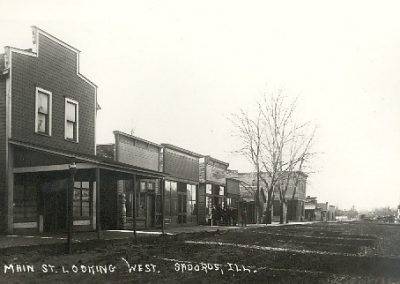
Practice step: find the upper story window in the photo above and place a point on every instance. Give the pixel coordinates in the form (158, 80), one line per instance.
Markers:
(43, 111)
(71, 120)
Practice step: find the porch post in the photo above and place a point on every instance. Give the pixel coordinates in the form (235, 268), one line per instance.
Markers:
(72, 172)
(162, 187)
(134, 205)
(97, 174)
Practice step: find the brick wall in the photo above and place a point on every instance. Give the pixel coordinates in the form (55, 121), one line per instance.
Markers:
(54, 70)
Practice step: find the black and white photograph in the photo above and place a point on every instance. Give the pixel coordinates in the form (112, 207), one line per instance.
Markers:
(199, 141)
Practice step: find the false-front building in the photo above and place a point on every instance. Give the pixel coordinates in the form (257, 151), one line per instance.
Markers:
(48, 146)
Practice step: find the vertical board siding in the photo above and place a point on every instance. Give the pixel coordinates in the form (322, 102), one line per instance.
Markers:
(3, 158)
(180, 165)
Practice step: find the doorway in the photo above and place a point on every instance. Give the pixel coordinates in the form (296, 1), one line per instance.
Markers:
(150, 206)
(54, 194)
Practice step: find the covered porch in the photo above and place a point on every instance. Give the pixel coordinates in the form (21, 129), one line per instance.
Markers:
(40, 196)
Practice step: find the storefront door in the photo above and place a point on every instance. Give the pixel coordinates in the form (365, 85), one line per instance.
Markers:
(150, 206)
(54, 196)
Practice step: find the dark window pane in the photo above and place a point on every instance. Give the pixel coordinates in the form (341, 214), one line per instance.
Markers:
(77, 208)
(142, 205)
(167, 198)
(174, 199)
(158, 204)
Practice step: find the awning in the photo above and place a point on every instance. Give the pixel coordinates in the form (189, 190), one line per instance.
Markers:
(85, 161)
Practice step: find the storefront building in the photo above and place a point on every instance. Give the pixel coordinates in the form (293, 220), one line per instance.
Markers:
(212, 188)
(181, 185)
(48, 159)
(180, 170)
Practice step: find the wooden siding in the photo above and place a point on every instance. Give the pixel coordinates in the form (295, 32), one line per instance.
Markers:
(137, 153)
(54, 70)
(232, 186)
(3, 158)
(180, 165)
(216, 174)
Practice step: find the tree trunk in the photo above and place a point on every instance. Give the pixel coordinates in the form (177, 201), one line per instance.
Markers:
(258, 204)
(268, 214)
(282, 213)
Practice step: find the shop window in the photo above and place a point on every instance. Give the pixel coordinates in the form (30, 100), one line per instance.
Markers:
(25, 201)
(208, 188)
(71, 120)
(142, 186)
(209, 205)
(191, 199)
(43, 111)
(182, 202)
(174, 198)
(228, 201)
(167, 198)
(158, 199)
(81, 200)
(221, 190)
(158, 203)
(141, 205)
(129, 204)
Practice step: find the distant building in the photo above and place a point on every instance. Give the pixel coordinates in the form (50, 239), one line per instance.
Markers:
(295, 198)
(331, 213)
(310, 208)
(212, 188)
(322, 212)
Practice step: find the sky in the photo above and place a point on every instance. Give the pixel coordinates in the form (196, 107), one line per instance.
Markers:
(174, 71)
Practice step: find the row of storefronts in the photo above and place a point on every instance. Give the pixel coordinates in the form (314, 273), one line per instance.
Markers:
(53, 173)
(192, 185)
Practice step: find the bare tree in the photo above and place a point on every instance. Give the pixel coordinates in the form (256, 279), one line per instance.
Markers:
(249, 131)
(287, 147)
(276, 145)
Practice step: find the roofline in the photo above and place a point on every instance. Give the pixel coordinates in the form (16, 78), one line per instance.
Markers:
(55, 39)
(94, 160)
(263, 172)
(216, 160)
(235, 179)
(179, 149)
(35, 51)
(117, 132)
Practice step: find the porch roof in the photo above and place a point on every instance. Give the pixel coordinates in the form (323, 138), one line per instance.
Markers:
(91, 161)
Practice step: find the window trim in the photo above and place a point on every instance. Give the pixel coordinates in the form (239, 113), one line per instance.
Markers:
(50, 110)
(68, 100)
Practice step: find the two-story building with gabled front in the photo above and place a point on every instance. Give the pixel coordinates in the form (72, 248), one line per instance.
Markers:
(48, 143)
